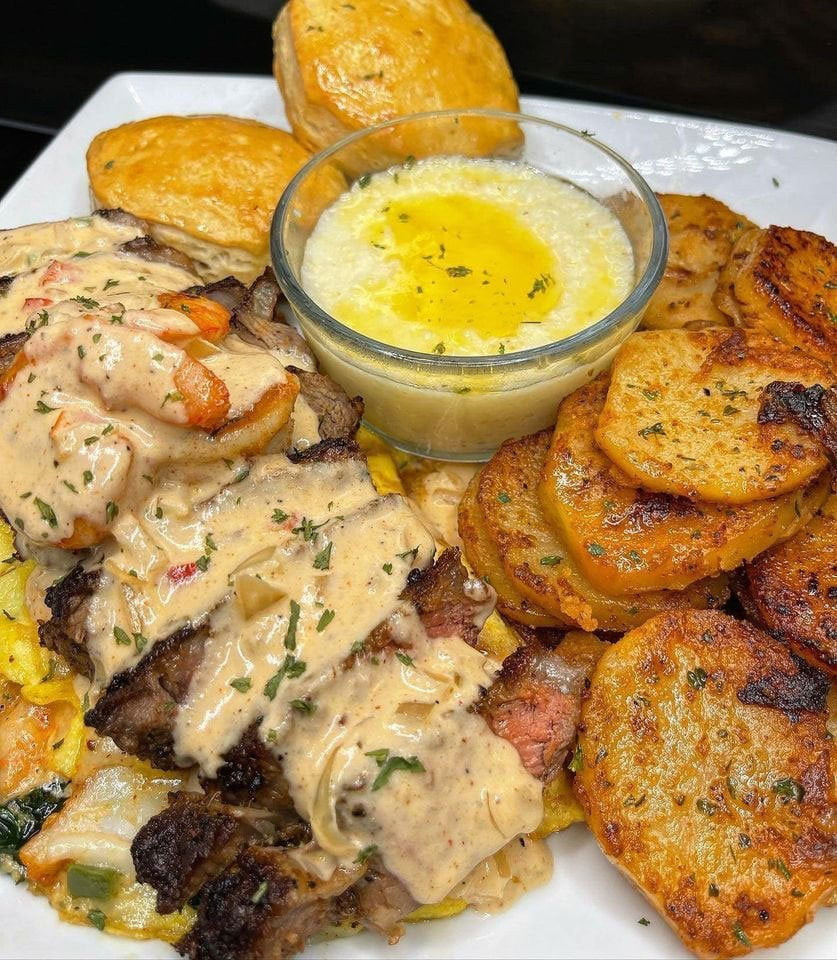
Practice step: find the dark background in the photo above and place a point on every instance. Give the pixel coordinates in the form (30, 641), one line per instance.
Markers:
(761, 61)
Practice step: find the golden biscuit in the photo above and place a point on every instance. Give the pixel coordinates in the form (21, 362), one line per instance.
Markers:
(207, 185)
(345, 66)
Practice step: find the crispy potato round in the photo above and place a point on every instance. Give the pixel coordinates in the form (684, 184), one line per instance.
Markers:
(681, 415)
(701, 234)
(784, 281)
(625, 539)
(536, 559)
(481, 554)
(707, 777)
(792, 589)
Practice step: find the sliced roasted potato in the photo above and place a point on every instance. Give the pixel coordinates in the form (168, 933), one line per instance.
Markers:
(484, 560)
(681, 415)
(784, 281)
(625, 539)
(792, 589)
(535, 558)
(707, 777)
(701, 234)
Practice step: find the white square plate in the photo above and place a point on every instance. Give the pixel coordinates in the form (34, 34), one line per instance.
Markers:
(588, 911)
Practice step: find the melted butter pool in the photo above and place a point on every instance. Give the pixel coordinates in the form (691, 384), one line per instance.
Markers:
(467, 257)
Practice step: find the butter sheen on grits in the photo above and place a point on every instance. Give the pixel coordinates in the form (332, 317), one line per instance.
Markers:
(467, 257)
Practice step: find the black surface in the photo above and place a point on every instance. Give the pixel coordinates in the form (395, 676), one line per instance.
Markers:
(770, 62)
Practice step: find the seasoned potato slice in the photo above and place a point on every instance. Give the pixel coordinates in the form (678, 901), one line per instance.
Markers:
(784, 281)
(481, 554)
(792, 589)
(681, 415)
(625, 539)
(707, 777)
(701, 234)
(536, 560)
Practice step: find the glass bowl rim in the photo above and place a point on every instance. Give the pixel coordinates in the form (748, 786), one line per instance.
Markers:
(639, 295)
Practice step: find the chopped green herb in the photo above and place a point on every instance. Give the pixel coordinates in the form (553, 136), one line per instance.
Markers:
(654, 428)
(173, 395)
(242, 684)
(110, 283)
(46, 512)
(577, 762)
(713, 890)
(541, 283)
(140, 642)
(202, 563)
(308, 529)
(279, 516)
(459, 271)
(390, 765)
(121, 637)
(596, 550)
(729, 410)
(706, 806)
(412, 554)
(97, 337)
(651, 394)
(111, 511)
(89, 441)
(740, 935)
(70, 486)
(440, 347)
(41, 407)
(696, 678)
(503, 497)
(550, 560)
(293, 621)
(644, 922)
(322, 560)
(366, 853)
(780, 866)
(86, 302)
(404, 658)
(387, 568)
(303, 706)
(357, 647)
(364, 180)
(325, 619)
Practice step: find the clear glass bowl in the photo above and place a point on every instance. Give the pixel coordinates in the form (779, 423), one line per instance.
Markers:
(462, 408)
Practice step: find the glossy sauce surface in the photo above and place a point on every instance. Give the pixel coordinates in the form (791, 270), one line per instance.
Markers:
(290, 565)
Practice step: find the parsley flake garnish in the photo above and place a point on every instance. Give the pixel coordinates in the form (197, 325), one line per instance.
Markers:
(293, 621)
(322, 560)
(366, 853)
(653, 428)
(46, 511)
(325, 619)
(121, 637)
(242, 684)
(41, 407)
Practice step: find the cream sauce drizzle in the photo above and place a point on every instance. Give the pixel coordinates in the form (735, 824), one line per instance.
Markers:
(290, 565)
(23, 248)
(109, 280)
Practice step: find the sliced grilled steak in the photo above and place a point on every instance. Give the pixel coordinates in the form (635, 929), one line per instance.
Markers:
(335, 450)
(258, 319)
(147, 248)
(11, 344)
(534, 704)
(229, 292)
(251, 775)
(382, 903)
(138, 708)
(264, 906)
(188, 843)
(66, 632)
(339, 415)
(122, 217)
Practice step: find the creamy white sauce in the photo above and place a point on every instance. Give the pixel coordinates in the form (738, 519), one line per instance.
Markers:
(291, 566)
(108, 280)
(23, 248)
